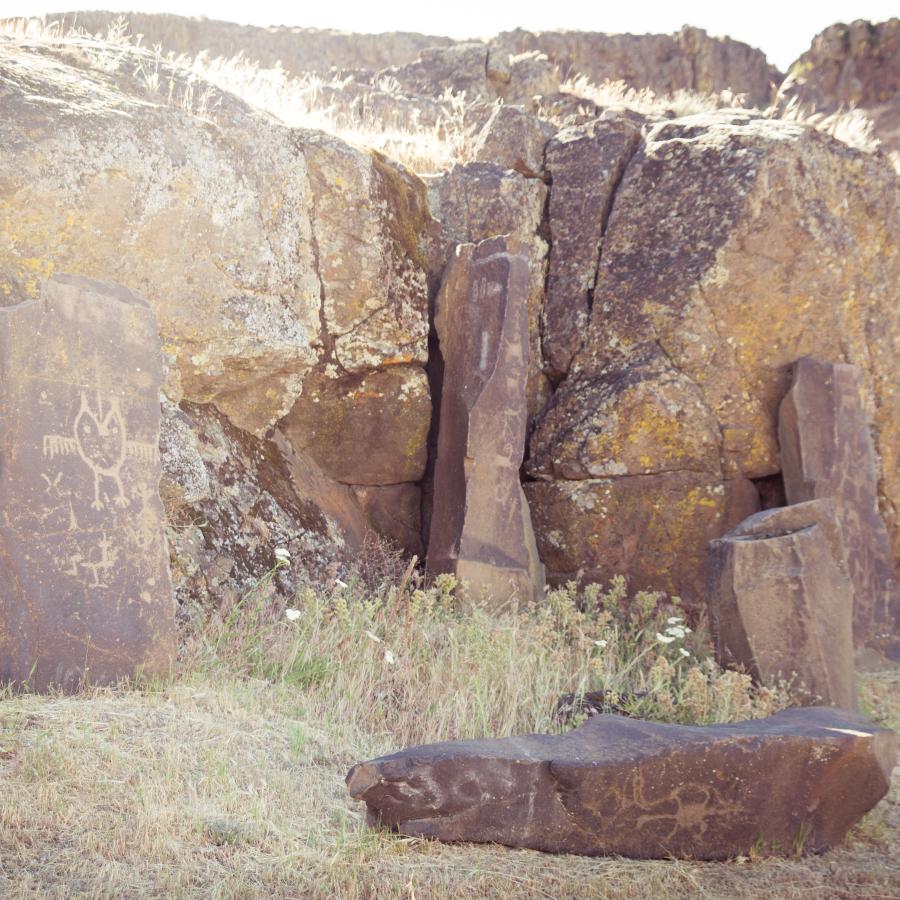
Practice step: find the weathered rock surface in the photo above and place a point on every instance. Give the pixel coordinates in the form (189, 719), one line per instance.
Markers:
(298, 50)
(270, 255)
(514, 139)
(480, 527)
(855, 65)
(794, 782)
(827, 452)
(781, 601)
(735, 246)
(585, 165)
(232, 498)
(688, 60)
(85, 594)
(479, 201)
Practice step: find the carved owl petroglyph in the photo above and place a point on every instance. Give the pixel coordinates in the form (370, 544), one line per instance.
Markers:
(100, 439)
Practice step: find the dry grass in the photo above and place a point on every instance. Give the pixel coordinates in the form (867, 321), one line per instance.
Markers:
(228, 781)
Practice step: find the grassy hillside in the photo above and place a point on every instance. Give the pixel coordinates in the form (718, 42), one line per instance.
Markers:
(227, 781)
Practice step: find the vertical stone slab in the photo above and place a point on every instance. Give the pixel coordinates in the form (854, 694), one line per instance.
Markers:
(481, 527)
(781, 602)
(827, 451)
(85, 595)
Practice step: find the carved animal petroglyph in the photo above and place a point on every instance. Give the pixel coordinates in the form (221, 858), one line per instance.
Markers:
(100, 439)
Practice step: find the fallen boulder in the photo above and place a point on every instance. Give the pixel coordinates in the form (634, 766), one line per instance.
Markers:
(781, 603)
(794, 782)
(827, 451)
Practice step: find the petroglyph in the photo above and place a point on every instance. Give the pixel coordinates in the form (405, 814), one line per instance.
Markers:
(642, 789)
(100, 440)
(84, 582)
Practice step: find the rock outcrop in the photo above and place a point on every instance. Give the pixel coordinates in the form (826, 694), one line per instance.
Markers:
(283, 265)
(687, 60)
(85, 595)
(735, 245)
(781, 601)
(852, 66)
(480, 527)
(827, 452)
(795, 782)
(297, 50)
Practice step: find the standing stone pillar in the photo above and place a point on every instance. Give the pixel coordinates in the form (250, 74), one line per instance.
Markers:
(481, 526)
(780, 601)
(827, 452)
(85, 595)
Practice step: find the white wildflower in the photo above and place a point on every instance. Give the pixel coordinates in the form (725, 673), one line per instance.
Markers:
(389, 657)
(601, 643)
(684, 652)
(373, 637)
(282, 555)
(678, 632)
(664, 638)
(674, 620)
(292, 614)
(339, 583)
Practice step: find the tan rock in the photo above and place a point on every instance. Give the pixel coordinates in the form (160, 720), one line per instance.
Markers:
(364, 429)
(85, 595)
(480, 527)
(781, 601)
(514, 139)
(264, 251)
(645, 527)
(827, 452)
(795, 782)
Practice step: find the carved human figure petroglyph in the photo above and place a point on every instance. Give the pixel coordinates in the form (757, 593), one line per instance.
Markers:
(100, 439)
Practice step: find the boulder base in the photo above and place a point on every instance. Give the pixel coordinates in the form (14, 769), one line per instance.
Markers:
(796, 781)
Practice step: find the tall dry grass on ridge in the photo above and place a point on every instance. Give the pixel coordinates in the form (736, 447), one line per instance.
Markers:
(431, 145)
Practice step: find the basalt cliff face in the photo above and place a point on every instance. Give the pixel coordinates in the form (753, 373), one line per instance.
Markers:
(669, 272)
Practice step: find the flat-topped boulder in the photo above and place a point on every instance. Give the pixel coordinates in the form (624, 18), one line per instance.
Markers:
(85, 594)
(781, 601)
(796, 781)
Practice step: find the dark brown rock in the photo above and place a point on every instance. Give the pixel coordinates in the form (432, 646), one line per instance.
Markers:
(794, 782)
(85, 594)
(827, 452)
(394, 511)
(781, 602)
(478, 201)
(585, 165)
(480, 526)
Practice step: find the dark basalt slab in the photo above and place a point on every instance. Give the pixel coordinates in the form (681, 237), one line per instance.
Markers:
(481, 527)
(781, 602)
(827, 452)
(796, 781)
(85, 594)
